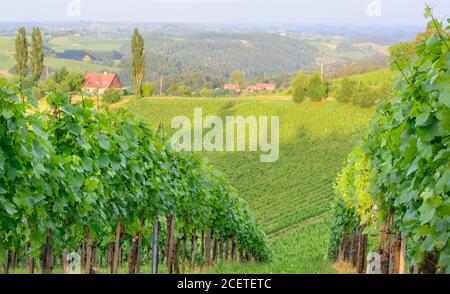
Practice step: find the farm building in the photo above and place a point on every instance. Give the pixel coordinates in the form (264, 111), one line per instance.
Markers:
(231, 87)
(94, 81)
(265, 87)
(260, 87)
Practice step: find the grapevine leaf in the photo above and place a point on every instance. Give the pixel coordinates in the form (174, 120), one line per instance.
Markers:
(443, 185)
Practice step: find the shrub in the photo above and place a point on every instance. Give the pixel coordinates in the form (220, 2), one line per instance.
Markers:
(148, 89)
(316, 87)
(310, 86)
(111, 96)
(179, 90)
(205, 92)
(346, 90)
(74, 81)
(299, 87)
(49, 86)
(37, 92)
(64, 86)
(18, 84)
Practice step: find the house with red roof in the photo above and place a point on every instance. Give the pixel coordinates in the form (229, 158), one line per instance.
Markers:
(94, 81)
(259, 87)
(231, 87)
(265, 87)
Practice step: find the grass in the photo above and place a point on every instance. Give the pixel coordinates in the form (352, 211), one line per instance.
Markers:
(302, 250)
(89, 43)
(314, 142)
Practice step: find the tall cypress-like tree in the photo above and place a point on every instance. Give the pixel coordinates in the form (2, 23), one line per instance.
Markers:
(21, 53)
(37, 54)
(138, 61)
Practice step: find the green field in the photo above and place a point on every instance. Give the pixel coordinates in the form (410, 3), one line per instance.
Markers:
(60, 44)
(314, 142)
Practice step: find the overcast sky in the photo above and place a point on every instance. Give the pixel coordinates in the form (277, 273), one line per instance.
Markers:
(357, 12)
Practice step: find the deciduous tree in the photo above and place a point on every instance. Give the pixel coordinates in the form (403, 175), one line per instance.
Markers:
(21, 53)
(138, 61)
(37, 54)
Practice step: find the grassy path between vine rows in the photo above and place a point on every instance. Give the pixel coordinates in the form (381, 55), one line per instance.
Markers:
(301, 250)
(295, 226)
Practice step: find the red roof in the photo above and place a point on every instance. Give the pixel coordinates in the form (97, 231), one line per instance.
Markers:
(103, 80)
(265, 86)
(232, 87)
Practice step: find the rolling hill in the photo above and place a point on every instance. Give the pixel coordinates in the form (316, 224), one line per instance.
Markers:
(290, 197)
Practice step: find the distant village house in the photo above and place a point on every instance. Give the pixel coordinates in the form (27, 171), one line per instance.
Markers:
(231, 87)
(259, 87)
(94, 81)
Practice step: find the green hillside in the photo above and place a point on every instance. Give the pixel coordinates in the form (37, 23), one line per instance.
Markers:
(314, 142)
(73, 42)
(373, 78)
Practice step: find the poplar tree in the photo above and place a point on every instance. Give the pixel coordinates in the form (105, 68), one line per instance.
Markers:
(138, 61)
(21, 53)
(37, 54)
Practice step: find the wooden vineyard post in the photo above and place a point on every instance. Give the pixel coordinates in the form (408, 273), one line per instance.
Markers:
(170, 242)
(15, 260)
(214, 251)
(402, 253)
(221, 247)
(116, 248)
(175, 264)
(394, 249)
(88, 251)
(155, 245)
(362, 248)
(208, 247)
(193, 251)
(110, 256)
(183, 256)
(202, 249)
(241, 254)
(226, 249)
(130, 257)
(64, 261)
(94, 255)
(345, 247)
(7, 263)
(47, 256)
(139, 250)
(233, 249)
(29, 259)
(133, 254)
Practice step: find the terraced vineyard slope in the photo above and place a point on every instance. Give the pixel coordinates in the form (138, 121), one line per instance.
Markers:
(314, 142)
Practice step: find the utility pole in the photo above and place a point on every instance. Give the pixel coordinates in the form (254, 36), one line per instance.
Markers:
(321, 71)
(161, 86)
